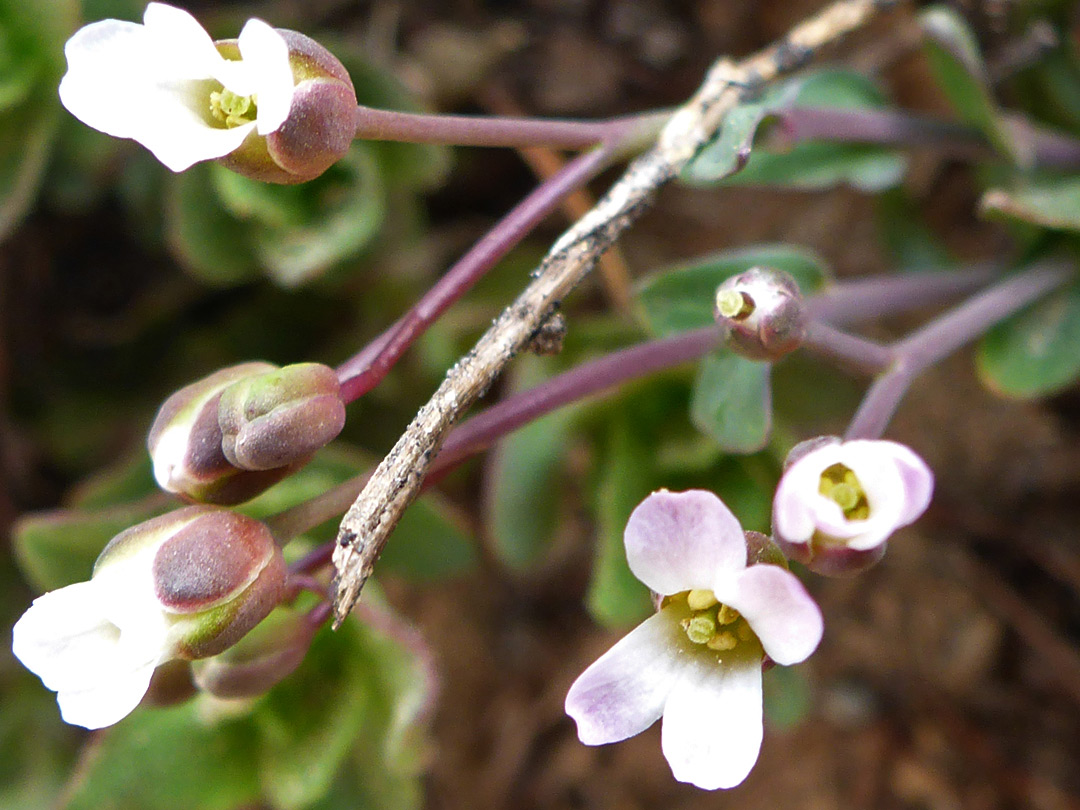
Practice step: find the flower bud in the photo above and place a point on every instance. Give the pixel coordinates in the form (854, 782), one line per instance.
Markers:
(185, 443)
(321, 121)
(185, 585)
(265, 656)
(838, 502)
(280, 417)
(761, 313)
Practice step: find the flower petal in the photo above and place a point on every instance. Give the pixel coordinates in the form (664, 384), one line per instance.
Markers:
(266, 56)
(918, 481)
(108, 702)
(623, 692)
(712, 721)
(181, 48)
(784, 616)
(676, 541)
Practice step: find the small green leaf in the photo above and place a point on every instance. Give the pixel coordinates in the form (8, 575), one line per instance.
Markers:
(616, 598)
(1049, 201)
(1036, 351)
(523, 476)
(810, 165)
(354, 706)
(731, 402)
(681, 298)
(786, 697)
(55, 549)
(432, 541)
(955, 59)
(167, 759)
(909, 241)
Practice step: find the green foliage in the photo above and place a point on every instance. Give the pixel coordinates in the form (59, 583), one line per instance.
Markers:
(523, 477)
(732, 402)
(1046, 200)
(353, 709)
(954, 57)
(1036, 351)
(616, 598)
(733, 160)
(681, 298)
(31, 63)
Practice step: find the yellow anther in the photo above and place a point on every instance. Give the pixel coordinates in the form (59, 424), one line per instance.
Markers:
(840, 484)
(722, 641)
(699, 629)
(231, 109)
(700, 599)
(744, 632)
(726, 615)
(734, 304)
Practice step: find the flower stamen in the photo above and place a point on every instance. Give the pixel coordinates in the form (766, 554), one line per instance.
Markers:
(840, 484)
(711, 623)
(231, 109)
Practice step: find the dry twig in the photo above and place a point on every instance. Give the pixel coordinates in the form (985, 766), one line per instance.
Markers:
(397, 480)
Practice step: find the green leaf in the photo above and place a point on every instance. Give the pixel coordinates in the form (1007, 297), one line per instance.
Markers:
(731, 402)
(1049, 201)
(954, 57)
(523, 476)
(808, 165)
(616, 598)
(54, 549)
(1036, 351)
(681, 298)
(906, 237)
(167, 759)
(786, 697)
(353, 709)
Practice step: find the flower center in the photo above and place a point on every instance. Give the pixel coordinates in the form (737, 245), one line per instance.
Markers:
(712, 624)
(840, 484)
(734, 304)
(232, 110)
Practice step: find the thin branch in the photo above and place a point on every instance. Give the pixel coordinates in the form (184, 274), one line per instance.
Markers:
(944, 335)
(485, 130)
(851, 351)
(399, 477)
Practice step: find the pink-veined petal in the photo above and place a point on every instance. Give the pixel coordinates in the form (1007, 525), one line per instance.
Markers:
(785, 618)
(712, 725)
(677, 541)
(623, 692)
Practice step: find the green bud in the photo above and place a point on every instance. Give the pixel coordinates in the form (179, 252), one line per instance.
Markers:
(281, 417)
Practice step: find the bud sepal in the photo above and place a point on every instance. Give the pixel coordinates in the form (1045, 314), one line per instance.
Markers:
(761, 313)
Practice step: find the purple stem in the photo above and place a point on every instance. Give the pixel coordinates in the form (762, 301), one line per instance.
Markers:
(897, 128)
(465, 130)
(891, 294)
(366, 369)
(944, 335)
(845, 349)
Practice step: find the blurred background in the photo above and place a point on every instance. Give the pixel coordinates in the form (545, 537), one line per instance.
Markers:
(949, 675)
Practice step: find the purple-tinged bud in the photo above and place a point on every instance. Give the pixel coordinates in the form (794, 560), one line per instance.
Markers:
(281, 417)
(264, 657)
(185, 444)
(838, 502)
(320, 125)
(761, 313)
(184, 585)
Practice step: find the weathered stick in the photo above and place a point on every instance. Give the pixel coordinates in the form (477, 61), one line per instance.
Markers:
(398, 478)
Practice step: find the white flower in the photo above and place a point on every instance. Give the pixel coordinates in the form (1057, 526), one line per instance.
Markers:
(184, 585)
(697, 661)
(839, 502)
(164, 84)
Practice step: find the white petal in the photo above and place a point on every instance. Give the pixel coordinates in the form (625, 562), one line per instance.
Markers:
(266, 57)
(108, 702)
(677, 541)
(784, 616)
(917, 477)
(623, 692)
(794, 516)
(712, 721)
(182, 48)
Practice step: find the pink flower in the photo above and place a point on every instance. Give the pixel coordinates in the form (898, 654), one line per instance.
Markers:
(696, 662)
(838, 502)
